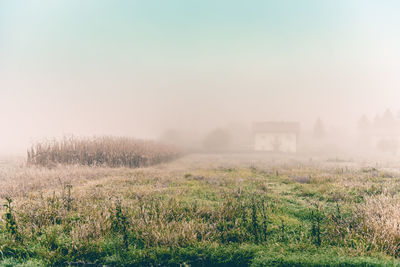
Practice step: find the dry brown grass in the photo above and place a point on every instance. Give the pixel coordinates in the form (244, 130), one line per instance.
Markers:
(380, 217)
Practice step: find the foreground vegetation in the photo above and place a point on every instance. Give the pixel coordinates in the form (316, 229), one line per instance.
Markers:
(204, 210)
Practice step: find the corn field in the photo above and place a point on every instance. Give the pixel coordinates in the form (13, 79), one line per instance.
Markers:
(101, 151)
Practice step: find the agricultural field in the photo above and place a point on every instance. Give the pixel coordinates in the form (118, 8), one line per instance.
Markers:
(202, 210)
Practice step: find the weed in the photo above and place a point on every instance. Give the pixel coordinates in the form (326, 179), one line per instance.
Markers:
(316, 219)
(11, 223)
(119, 223)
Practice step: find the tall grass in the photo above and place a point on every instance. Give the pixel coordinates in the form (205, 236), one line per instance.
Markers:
(185, 213)
(101, 151)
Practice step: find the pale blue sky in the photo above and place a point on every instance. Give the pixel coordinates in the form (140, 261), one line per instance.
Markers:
(137, 67)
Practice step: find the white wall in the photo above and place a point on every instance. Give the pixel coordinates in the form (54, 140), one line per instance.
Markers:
(282, 142)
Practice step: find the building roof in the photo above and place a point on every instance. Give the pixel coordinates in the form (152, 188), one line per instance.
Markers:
(276, 127)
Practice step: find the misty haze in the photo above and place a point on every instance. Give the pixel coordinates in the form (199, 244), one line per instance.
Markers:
(199, 133)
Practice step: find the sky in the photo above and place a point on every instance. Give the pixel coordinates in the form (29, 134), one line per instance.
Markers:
(138, 68)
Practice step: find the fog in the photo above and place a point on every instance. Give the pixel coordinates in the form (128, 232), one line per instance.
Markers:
(148, 68)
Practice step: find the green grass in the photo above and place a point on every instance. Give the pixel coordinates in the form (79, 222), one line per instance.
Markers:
(318, 258)
(206, 216)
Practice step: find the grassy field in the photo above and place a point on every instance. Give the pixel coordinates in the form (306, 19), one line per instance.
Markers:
(202, 210)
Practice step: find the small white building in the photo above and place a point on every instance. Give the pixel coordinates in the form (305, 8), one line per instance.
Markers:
(276, 136)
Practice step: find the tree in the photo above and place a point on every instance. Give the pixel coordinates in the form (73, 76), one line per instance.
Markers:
(377, 121)
(217, 140)
(363, 123)
(319, 129)
(388, 115)
(388, 119)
